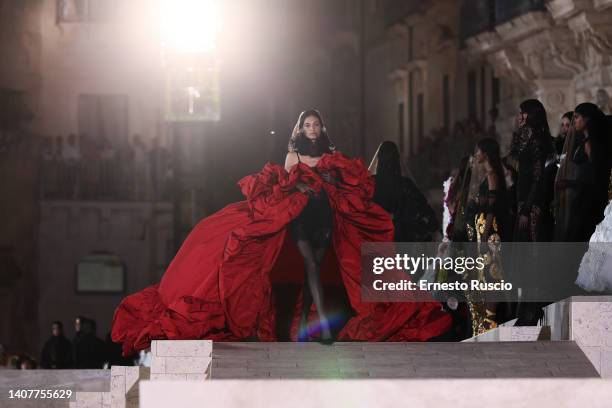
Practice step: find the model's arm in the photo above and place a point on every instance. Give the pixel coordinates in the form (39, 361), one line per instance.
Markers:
(291, 160)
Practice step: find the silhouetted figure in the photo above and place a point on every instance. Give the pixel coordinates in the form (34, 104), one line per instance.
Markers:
(413, 218)
(57, 351)
(114, 354)
(89, 350)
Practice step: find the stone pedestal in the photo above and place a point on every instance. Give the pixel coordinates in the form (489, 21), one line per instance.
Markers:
(588, 322)
(181, 360)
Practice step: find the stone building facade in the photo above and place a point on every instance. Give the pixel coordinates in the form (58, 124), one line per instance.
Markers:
(20, 88)
(90, 68)
(430, 64)
(558, 51)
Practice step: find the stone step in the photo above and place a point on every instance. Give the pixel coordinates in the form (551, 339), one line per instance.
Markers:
(562, 393)
(515, 359)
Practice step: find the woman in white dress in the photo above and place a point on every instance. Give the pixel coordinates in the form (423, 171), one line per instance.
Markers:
(595, 273)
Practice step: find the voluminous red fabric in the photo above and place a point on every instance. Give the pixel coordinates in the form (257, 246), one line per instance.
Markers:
(219, 284)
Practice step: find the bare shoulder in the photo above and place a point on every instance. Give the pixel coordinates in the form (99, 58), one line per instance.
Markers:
(291, 160)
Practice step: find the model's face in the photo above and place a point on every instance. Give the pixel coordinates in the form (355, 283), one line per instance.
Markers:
(77, 325)
(479, 155)
(579, 122)
(312, 128)
(521, 118)
(565, 126)
(55, 330)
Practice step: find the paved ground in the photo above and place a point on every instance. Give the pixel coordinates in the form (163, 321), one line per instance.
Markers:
(401, 360)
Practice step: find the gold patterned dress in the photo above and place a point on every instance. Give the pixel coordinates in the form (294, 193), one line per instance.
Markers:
(488, 244)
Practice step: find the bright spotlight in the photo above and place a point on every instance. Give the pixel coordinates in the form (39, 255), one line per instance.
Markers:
(189, 25)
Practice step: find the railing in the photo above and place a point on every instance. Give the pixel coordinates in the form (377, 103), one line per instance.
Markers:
(103, 180)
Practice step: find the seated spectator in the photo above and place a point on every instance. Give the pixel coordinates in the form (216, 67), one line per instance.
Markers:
(28, 364)
(72, 151)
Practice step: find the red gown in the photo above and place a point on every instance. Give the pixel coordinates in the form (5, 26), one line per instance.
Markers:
(219, 285)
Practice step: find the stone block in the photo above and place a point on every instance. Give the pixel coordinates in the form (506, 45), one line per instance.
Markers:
(89, 399)
(606, 362)
(181, 348)
(168, 377)
(124, 384)
(588, 322)
(158, 365)
(187, 365)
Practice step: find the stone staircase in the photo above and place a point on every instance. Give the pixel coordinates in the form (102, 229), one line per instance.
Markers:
(573, 344)
(187, 360)
(584, 320)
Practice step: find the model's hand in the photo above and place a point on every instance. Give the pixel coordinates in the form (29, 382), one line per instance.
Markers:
(304, 188)
(328, 178)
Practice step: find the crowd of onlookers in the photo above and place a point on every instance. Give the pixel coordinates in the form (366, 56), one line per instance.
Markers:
(548, 188)
(78, 167)
(85, 350)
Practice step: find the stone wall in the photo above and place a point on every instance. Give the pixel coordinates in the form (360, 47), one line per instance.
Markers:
(138, 234)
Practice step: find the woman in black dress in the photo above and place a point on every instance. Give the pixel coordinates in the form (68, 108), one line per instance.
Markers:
(591, 158)
(413, 218)
(312, 229)
(531, 144)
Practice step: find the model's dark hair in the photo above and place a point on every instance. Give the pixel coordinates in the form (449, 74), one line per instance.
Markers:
(300, 143)
(490, 147)
(536, 116)
(538, 122)
(388, 163)
(595, 118)
(568, 115)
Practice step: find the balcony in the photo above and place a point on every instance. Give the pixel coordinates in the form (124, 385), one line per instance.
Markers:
(104, 180)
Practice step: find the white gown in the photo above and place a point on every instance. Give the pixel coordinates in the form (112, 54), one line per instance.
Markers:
(595, 273)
